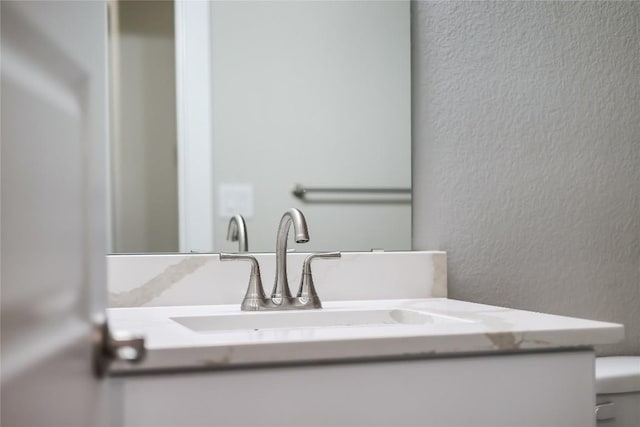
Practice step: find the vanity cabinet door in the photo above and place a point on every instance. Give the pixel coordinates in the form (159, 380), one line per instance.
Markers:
(536, 389)
(53, 176)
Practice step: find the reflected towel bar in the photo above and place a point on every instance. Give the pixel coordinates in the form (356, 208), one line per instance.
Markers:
(300, 191)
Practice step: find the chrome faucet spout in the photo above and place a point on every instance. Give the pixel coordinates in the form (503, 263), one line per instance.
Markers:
(237, 231)
(281, 294)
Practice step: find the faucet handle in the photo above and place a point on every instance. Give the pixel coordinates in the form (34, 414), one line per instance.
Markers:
(254, 298)
(307, 295)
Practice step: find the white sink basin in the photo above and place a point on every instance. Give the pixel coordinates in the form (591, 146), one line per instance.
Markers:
(311, 319)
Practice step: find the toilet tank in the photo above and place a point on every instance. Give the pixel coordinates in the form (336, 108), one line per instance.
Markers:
(618, 391)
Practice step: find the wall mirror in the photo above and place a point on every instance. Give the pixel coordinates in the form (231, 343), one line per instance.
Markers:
(251, 107)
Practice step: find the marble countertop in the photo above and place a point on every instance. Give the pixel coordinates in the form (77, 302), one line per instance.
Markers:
(451, 328)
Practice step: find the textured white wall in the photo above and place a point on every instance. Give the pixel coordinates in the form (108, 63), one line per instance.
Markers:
(526, 138)
(317, 93)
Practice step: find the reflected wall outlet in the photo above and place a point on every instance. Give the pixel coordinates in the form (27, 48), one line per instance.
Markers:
(235, 198)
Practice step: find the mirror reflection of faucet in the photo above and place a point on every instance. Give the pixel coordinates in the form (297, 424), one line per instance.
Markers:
(281, 298)
(237, 232)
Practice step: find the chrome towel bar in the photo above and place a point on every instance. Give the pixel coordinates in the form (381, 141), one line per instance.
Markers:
(300, 191)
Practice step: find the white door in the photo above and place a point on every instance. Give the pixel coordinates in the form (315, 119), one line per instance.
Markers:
(54, 212)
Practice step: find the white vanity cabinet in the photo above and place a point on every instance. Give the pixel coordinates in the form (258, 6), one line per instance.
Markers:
(517, 389)
(427, 362)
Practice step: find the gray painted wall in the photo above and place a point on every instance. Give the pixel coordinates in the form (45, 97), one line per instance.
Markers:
(526, 130)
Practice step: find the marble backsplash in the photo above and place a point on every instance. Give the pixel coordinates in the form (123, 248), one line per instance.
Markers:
(200, 279)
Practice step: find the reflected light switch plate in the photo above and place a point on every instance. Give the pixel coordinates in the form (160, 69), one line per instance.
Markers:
(235, 198)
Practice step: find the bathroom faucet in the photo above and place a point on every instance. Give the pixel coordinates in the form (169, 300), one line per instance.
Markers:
(281, 299)
(281, 294)
(237, 231)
